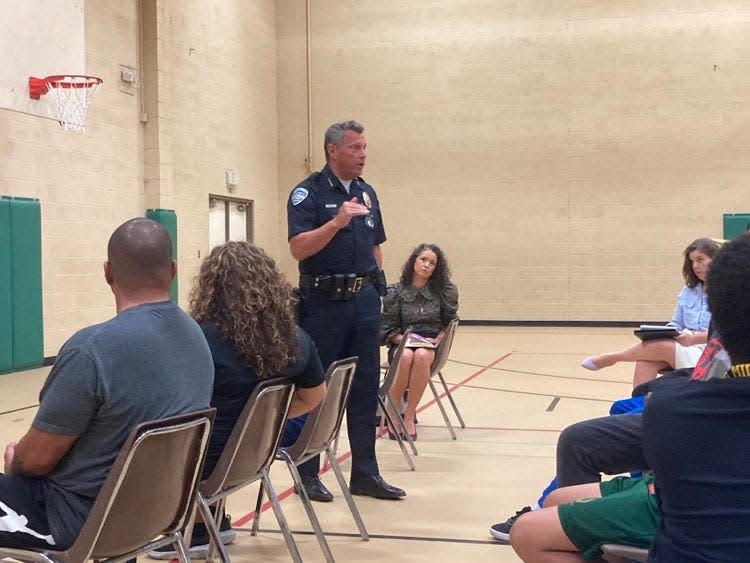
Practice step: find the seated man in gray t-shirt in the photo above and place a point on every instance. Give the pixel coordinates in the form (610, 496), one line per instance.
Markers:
(150, 361)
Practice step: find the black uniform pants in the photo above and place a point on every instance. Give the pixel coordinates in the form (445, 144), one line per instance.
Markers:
(341, 329)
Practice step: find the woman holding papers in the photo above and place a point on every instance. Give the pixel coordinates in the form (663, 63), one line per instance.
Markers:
(691, 318)
(423, 303)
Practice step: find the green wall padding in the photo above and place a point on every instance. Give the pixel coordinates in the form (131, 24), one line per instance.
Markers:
(735, 224)
(6, 304)
(26, 282)
(167, 218)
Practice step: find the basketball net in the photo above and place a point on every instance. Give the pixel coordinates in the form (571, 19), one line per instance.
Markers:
(72, 96)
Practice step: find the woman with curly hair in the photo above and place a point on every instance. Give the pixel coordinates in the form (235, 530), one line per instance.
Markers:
(423, 302)
(244, 306)
(691, 317)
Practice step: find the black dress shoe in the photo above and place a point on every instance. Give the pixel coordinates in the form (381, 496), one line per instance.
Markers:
(375, 486)
(315, 489)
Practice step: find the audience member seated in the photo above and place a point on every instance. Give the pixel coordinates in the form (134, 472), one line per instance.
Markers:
(691, 317)
(244, 306)
(423, 302)
(696, 435)
(577, 520)
(148, 362)
(702, 491)
(610, 444)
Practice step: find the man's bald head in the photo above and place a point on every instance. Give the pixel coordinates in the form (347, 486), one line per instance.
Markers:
(139, 254)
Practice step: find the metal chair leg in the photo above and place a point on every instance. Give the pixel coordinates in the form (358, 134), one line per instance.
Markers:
(258, 504)
(392, 428)
(182, 553)
(442, 409)
(450, 399)
(213, 530)
(347, 495)
(398, 432)
(281, 519)
(325, 548)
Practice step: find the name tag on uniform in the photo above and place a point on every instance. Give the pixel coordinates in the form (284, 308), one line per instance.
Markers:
(331, 206)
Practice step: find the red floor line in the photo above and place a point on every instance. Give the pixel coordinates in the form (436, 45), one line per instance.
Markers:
(346, 455)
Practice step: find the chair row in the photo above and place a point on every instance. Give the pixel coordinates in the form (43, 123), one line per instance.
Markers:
(142, 506)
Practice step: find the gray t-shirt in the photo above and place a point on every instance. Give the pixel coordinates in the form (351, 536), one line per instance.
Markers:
(150, 361)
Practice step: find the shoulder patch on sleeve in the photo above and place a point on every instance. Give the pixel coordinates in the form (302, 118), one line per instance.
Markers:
(299, 195)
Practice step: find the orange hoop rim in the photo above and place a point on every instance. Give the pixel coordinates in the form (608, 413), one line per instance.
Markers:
(40, 86)
(69, 81)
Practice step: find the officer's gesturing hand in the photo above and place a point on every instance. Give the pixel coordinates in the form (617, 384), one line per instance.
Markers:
(347, 211)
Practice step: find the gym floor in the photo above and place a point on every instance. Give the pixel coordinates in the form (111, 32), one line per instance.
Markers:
(516, 387)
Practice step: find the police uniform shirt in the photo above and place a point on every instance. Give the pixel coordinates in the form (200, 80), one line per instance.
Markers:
(317, 200)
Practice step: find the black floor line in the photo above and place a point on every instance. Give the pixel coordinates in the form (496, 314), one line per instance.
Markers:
(381, 536)
(538, 374)
(503, 390)
(19, 409)
(553, 404)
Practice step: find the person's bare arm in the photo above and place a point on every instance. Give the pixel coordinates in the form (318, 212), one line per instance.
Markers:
(306, 399)
(37, 453)
(689, 338)
(304, 245)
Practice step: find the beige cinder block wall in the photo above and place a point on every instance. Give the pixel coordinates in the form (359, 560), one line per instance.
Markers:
(218, 103)
(208, 93)
(562, 154)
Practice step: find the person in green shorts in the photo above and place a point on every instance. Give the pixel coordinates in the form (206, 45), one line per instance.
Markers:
(577, 520)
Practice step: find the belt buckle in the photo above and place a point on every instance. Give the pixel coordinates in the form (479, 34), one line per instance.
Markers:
(357, 284)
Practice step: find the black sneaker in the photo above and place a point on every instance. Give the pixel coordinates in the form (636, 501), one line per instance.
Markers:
(501, 531)
(199, 542)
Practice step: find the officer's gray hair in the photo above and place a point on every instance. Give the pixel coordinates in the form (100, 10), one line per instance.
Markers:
(335, 133)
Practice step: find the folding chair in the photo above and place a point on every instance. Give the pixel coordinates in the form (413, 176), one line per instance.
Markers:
(615, 553)
(384, 400)
(246, 458)
(148, 497)
(317, 436)
(441, 357)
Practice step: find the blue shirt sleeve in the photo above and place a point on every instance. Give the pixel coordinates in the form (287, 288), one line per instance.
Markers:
(301, 210)
(691, 311)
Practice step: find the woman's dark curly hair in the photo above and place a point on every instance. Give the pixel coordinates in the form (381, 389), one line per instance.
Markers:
(707, 246)
(728, 288)
(440, 277)
(241, 292)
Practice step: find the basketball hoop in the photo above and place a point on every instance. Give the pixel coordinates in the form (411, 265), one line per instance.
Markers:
(72, 95)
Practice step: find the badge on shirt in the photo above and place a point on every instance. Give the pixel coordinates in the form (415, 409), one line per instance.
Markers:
(299, 195)
(369, 222)
(367, 200)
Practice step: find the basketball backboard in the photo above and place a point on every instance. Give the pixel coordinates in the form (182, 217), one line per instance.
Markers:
(38, 38)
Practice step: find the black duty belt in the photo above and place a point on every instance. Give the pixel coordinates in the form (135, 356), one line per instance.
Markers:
(338, 287)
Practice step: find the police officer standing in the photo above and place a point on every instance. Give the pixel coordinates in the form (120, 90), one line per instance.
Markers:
(335, 231)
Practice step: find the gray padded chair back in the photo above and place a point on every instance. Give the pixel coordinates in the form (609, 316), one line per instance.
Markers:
(323, 422)
(392, 370)
(443, 349)
(251, 446)
(148, 495)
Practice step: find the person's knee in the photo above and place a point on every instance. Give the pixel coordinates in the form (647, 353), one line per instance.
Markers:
(522, 533)
(571, 437)
(423, 356)
(553, 499)
(407, 357)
